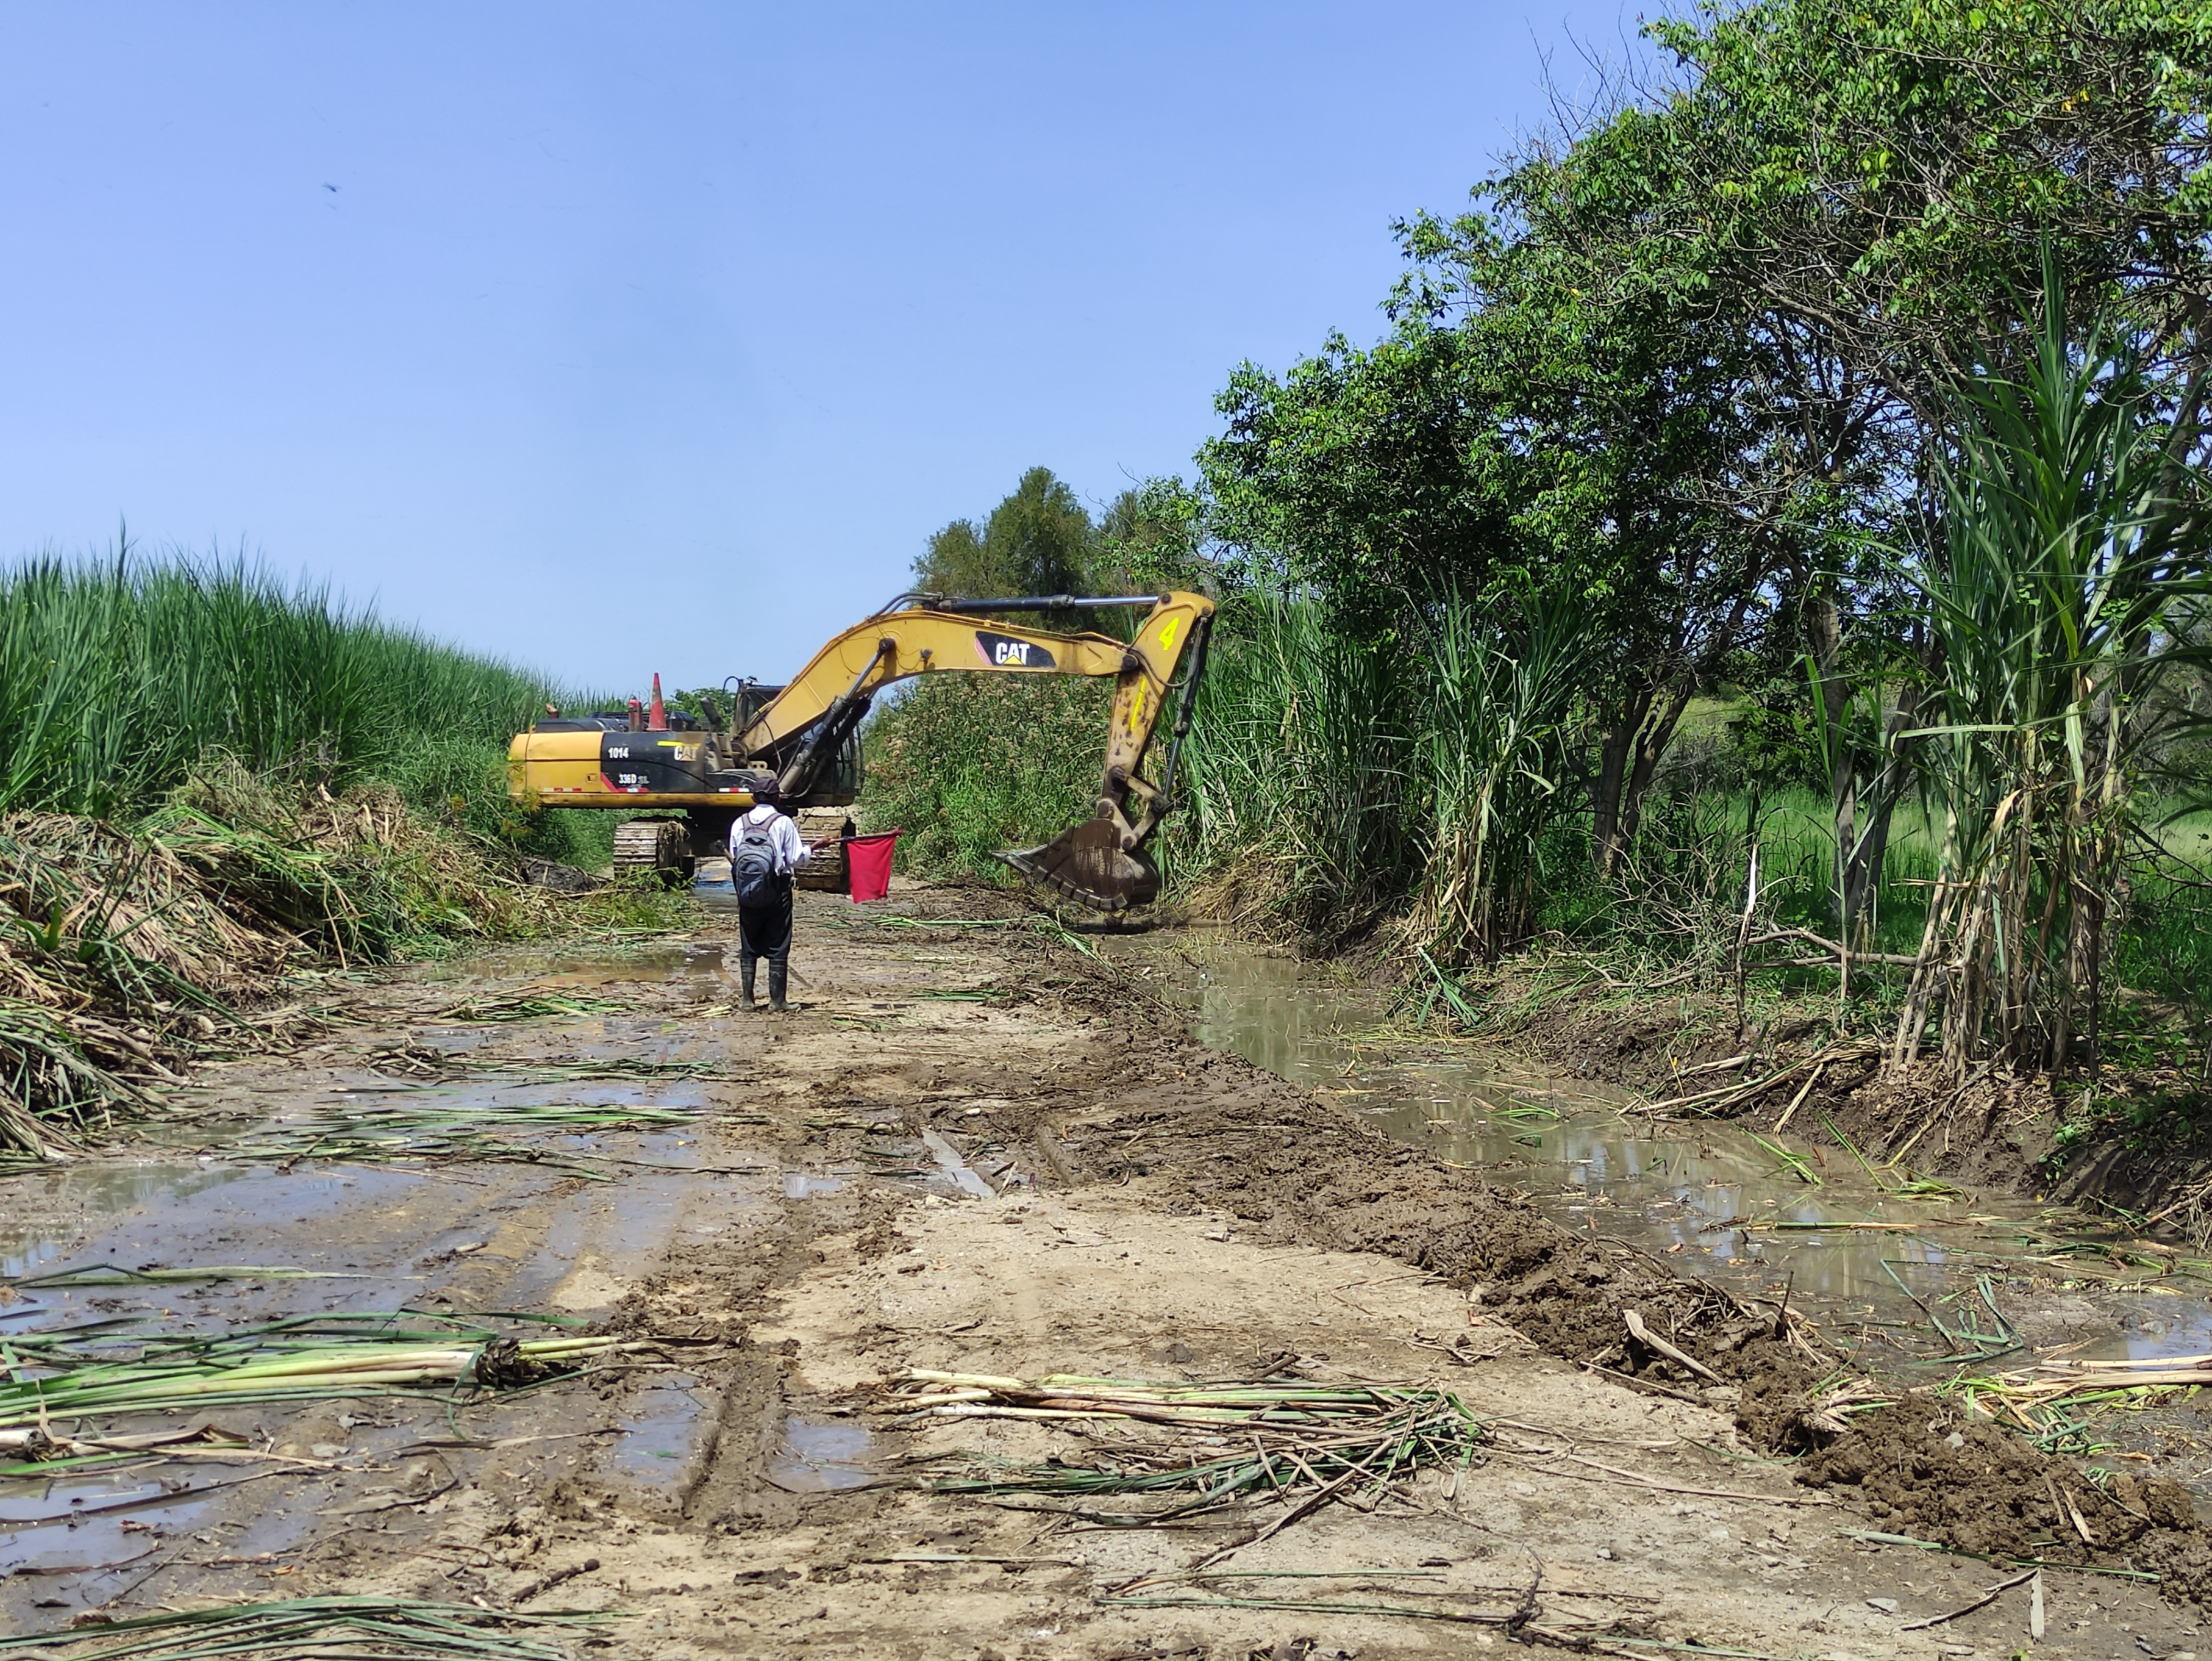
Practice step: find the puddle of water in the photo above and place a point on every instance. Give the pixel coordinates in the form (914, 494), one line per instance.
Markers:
(324, 1219)
(955, 1169)
(45, 1214)
(542, 966)
(60, 1528)
(479, 1096)
(650, 963)
(821, 1458)
(1706, 1196)
(655, 1447)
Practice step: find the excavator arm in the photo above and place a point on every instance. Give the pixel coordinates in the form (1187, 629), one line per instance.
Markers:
(1100, 862)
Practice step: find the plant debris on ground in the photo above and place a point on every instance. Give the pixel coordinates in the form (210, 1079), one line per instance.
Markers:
(295, 1628)
(104, 1369)
(1306, 1443)
(127, 954)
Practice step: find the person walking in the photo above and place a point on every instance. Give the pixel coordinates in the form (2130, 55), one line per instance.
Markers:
(765, 849)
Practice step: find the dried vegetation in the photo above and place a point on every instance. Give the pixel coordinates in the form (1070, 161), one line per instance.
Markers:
(126, 953)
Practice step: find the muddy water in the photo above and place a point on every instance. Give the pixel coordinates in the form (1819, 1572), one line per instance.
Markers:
(818, 1458)
(64, 1527)
(1868, 1262)
(43, 1219)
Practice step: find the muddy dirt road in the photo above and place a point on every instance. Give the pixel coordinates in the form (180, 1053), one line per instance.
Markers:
(971, 1151)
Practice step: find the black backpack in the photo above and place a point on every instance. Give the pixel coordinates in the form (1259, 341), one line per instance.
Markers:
(752, 864)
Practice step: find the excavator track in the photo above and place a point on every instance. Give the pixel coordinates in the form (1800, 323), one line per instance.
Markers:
(826, 870)
(660, 848)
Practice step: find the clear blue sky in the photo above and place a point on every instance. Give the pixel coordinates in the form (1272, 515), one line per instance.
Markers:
(623, 338)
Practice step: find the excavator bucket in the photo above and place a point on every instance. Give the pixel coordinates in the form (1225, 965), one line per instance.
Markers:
(1088, 863)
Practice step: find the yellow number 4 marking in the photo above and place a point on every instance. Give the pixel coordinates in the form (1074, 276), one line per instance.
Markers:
(1167, 633)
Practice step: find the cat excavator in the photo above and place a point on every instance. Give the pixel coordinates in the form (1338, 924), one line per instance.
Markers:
(803, 737)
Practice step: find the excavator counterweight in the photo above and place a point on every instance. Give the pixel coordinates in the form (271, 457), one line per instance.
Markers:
(806, 735)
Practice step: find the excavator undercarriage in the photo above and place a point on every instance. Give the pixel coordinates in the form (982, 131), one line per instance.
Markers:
(804, 738)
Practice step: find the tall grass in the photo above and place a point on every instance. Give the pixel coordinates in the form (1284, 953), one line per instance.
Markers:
(116, 680)
(1294, 784)
(1499, 733)
(2051, 604)
(1334, 778)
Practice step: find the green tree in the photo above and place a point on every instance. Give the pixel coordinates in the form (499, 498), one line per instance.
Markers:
(1508, 431)
(1851, 192)
(956, 562)
(1151, 538)
(1698, 344)
(1039, 540)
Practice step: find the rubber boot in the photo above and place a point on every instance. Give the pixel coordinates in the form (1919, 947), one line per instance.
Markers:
(778, 973)
(746, 965)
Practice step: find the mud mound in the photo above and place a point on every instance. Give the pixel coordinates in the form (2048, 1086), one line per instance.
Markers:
(1995, 1131)
(1929, 1472)
(1337, 1182)
(1643, 1048)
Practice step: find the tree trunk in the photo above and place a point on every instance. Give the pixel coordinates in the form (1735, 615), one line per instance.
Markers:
(1652, 738)
(1614, 750)
(1824, 627)
(1862, 869)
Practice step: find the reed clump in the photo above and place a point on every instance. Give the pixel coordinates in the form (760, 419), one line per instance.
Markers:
(126, 951)
(1214, 1445)
(331, 1627)
(117, 681)
(2071, 585)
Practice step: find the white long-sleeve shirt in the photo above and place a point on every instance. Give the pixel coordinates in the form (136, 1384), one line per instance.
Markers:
(791, 851)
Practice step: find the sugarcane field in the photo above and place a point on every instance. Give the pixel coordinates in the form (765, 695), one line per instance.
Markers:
(1295, 834)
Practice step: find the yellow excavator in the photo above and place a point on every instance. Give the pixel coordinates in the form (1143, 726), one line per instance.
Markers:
(805, 737)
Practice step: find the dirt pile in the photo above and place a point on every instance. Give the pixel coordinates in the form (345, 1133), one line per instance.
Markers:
(1926, 1469)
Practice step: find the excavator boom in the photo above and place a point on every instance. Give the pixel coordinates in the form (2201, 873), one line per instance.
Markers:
(798, 734)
